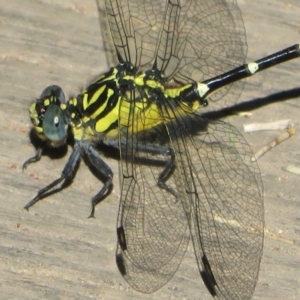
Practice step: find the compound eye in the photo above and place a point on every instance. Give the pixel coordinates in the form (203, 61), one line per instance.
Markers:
(54, 123)
(54, 91)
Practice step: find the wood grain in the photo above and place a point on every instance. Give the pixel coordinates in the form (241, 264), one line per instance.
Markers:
(55, 252)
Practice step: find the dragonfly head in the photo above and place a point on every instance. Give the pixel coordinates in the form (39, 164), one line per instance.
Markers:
(48, 115)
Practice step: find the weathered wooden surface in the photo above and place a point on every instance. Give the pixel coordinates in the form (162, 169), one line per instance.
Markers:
(55, 252)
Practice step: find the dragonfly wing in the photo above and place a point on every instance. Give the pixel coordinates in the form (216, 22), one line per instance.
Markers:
(135, 28)
(184, 39)
(107, 38)
(152, 227)
(210, 40)
(223, 198)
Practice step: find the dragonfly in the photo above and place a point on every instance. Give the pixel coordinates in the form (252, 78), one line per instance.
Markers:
(183, 177)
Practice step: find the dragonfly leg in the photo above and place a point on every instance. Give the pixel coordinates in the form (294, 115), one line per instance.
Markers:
(167, 172)
(103, 169)
(66, 175)
(168, 167)
(33, 159)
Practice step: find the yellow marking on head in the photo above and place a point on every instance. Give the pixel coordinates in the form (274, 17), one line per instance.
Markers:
(73, 101)
(38, 129)
(33, 114)
(35, 121)
(32, 107)
(63, 106)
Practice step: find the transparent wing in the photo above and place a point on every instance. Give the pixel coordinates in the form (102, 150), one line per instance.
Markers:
(188, 40)
(152, 226)
(222, 193)
(219, 199)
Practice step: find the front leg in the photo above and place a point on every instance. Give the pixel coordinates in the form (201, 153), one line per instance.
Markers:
(33, 159)
(68, 173)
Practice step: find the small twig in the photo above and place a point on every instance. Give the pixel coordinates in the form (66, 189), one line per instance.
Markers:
(274, 236)
(292, 169)
(245, 114)
(279, 139)
(278, 125)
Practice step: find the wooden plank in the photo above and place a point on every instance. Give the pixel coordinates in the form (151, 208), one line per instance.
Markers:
(54, 251)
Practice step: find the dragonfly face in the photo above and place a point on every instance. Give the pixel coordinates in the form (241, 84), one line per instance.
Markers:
(48, 116)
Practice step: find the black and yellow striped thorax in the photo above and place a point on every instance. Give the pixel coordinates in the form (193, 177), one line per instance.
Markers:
(120, 97)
